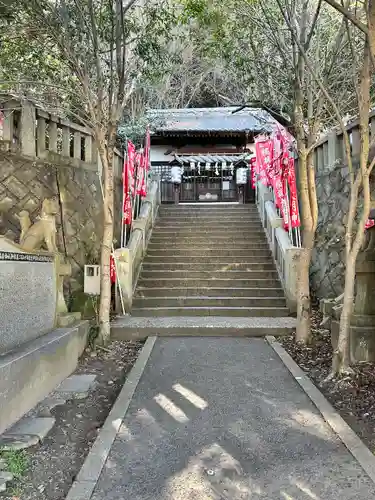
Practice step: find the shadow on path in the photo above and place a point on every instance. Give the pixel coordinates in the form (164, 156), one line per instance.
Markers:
(222, 419)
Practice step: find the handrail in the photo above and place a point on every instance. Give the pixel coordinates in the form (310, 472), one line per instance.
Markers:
(284, 252)
(128, 260)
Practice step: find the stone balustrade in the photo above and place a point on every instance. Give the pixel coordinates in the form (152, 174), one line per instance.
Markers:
(128, 260)
(284, 252)
(33, 132)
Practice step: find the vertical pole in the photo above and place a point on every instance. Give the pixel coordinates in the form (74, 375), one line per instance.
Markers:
(288, 210)
(176, 194)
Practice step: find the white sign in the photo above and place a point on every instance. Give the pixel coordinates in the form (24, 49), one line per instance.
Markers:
(226, 185)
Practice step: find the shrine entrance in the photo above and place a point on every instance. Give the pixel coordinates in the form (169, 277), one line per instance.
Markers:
(208, 183)
(209, 178)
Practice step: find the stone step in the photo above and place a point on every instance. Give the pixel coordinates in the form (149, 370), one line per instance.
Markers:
(204, 237)
(209, 208)
(208, 275)
(199, 283)
(212, 267)
(206, 242)
(171, 221)
(207, 302)
(133, 328)
(258, 253)
(254, 312)
(33, 370)
(187, 253)
(209, 292)
(198, 243)
(210, 230)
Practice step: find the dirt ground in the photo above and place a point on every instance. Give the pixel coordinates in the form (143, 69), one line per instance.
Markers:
(354, 396)
(53, 465)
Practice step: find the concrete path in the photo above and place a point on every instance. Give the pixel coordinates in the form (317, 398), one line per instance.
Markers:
(223, 419)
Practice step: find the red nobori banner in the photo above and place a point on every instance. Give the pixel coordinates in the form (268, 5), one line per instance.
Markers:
(294, 210)
(128, 183)
(112, 269)
(264, 155)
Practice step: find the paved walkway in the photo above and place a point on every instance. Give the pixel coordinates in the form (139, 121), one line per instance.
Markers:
(222, 419)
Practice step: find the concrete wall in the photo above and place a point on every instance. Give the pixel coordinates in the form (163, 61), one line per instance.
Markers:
(28, 295)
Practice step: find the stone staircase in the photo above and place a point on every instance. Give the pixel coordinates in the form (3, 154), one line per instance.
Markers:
(207, 267)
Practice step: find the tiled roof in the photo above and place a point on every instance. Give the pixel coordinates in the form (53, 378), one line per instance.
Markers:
(210, 120)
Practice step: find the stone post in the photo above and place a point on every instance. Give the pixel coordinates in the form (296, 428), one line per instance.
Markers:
(8, 123)
(362, 324)
(332, 149)
(123, 263)
(28, 129)
(140, 224)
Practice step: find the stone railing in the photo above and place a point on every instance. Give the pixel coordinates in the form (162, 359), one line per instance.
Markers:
(283, 251)
(128, 260)
(330, 149)
(28, 130)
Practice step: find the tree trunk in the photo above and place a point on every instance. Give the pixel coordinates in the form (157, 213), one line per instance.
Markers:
(341, 356)
(341, 359)
(106, 155)
(303, 331)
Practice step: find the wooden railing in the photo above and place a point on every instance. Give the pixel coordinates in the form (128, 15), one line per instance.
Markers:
(33, 132)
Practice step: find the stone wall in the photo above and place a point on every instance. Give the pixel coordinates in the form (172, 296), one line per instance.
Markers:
(25, 183)
(333, 192)
(327, 269)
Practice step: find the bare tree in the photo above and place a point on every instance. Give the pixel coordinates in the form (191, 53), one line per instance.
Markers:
(359, 203)
(363, 18)
(276, 68)
(106, 47)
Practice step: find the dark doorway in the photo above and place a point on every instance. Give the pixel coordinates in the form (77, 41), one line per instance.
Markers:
(208, 182)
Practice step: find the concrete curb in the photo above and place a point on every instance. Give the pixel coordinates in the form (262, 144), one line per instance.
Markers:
(88, 476)
(346, 434)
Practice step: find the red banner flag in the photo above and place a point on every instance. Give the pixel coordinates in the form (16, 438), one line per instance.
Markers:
(142, 174)
(147, 150)
(264, 150)
(112, 269)
(128, 182)
(253, 163)
(294, 211)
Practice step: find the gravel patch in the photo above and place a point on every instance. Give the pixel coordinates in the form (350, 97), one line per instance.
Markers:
(54, 464)
(352, 396)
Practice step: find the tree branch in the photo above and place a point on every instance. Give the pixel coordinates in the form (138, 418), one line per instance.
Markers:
(346, 12)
